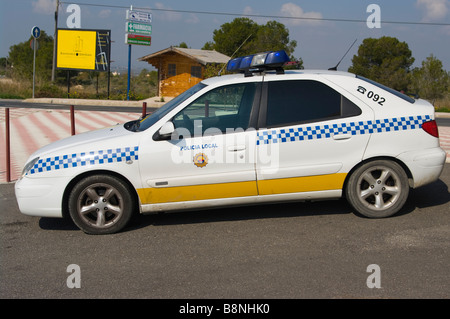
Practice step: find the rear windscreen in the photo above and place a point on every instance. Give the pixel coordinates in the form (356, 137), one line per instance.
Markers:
(396, 93)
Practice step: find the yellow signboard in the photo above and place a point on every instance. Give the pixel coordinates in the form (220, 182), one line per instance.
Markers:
(76, 49)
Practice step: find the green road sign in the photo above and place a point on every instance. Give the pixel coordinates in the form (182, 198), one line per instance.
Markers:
(138, 39)
(138, 28)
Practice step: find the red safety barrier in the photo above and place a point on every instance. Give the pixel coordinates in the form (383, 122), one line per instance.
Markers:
(72, 120)
(8, 146)
(144, 109)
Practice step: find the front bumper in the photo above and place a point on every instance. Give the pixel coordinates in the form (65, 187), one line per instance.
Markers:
(40, 196)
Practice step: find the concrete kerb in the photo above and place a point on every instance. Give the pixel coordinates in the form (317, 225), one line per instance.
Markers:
(154, 102)
(443, 115)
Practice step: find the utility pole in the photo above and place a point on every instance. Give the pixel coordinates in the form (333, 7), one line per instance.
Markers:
(129, 66)
(54, 41)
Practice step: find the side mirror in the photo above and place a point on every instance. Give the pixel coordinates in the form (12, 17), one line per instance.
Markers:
(167, 129)
(165, 132)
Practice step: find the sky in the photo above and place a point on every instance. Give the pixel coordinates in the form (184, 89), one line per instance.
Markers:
(320, 43)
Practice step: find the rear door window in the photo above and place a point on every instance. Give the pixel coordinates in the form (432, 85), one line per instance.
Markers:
(304, 101)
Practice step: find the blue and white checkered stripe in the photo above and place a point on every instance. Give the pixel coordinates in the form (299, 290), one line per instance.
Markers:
(85, 159)
(354, 128)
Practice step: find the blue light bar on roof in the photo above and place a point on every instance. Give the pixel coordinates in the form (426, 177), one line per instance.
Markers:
(273, 60)
(246, 62)
(234, 64)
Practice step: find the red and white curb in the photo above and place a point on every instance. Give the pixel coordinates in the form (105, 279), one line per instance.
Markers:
(444, 139)
(31, 129)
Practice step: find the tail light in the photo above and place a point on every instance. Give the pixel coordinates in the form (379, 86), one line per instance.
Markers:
(431, 128)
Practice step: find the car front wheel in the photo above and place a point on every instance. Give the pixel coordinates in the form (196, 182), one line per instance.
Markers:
(378, 189)
(101, 204)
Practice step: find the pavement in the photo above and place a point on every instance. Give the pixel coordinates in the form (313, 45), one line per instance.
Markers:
(30, 129)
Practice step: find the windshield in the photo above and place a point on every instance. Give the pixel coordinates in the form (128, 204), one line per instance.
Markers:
(154, 117)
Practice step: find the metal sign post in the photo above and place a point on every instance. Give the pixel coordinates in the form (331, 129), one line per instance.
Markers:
(138, 30)
(129, 72)
(36, 33)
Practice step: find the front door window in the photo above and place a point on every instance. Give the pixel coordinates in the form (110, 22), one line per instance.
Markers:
(222, 110)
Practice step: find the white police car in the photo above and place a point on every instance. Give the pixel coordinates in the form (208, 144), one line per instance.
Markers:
(261, 135)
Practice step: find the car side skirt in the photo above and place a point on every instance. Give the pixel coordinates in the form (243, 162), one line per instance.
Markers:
(248, 192)
(241, 201)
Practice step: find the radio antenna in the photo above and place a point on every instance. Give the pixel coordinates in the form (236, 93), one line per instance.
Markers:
(335, 68)
(220, 72)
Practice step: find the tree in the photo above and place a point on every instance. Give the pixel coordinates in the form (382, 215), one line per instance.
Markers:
(273, 36)
(430, 81)
(235, 35)
(182, 45)
(3, 65)
(21, 58)
(385, 60)
(208, 46)
(243, 36)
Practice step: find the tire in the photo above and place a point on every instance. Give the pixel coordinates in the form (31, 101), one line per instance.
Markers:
(101, 204)
(378, 189)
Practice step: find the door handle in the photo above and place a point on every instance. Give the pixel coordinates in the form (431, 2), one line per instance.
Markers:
(236, 148)
(340, 137)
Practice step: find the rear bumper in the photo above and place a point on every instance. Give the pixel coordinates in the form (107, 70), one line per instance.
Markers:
(425, 165)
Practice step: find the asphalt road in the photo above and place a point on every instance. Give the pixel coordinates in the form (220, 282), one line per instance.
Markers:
(285, 251)
(443, 121)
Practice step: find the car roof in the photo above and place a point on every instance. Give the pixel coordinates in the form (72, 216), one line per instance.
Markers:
(237, 76)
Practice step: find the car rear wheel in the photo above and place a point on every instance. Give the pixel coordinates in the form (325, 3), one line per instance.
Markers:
(378, 189)
(101, 204)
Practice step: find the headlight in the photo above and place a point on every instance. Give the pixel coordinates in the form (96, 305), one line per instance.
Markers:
(29, 166)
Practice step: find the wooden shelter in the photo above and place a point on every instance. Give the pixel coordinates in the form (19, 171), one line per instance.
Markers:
(180, 68)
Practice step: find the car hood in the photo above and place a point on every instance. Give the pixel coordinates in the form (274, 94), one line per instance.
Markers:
(83, 141)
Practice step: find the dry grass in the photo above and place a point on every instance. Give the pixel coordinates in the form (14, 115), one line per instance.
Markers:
(14, 90)
(443, 104)
(141, 89)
